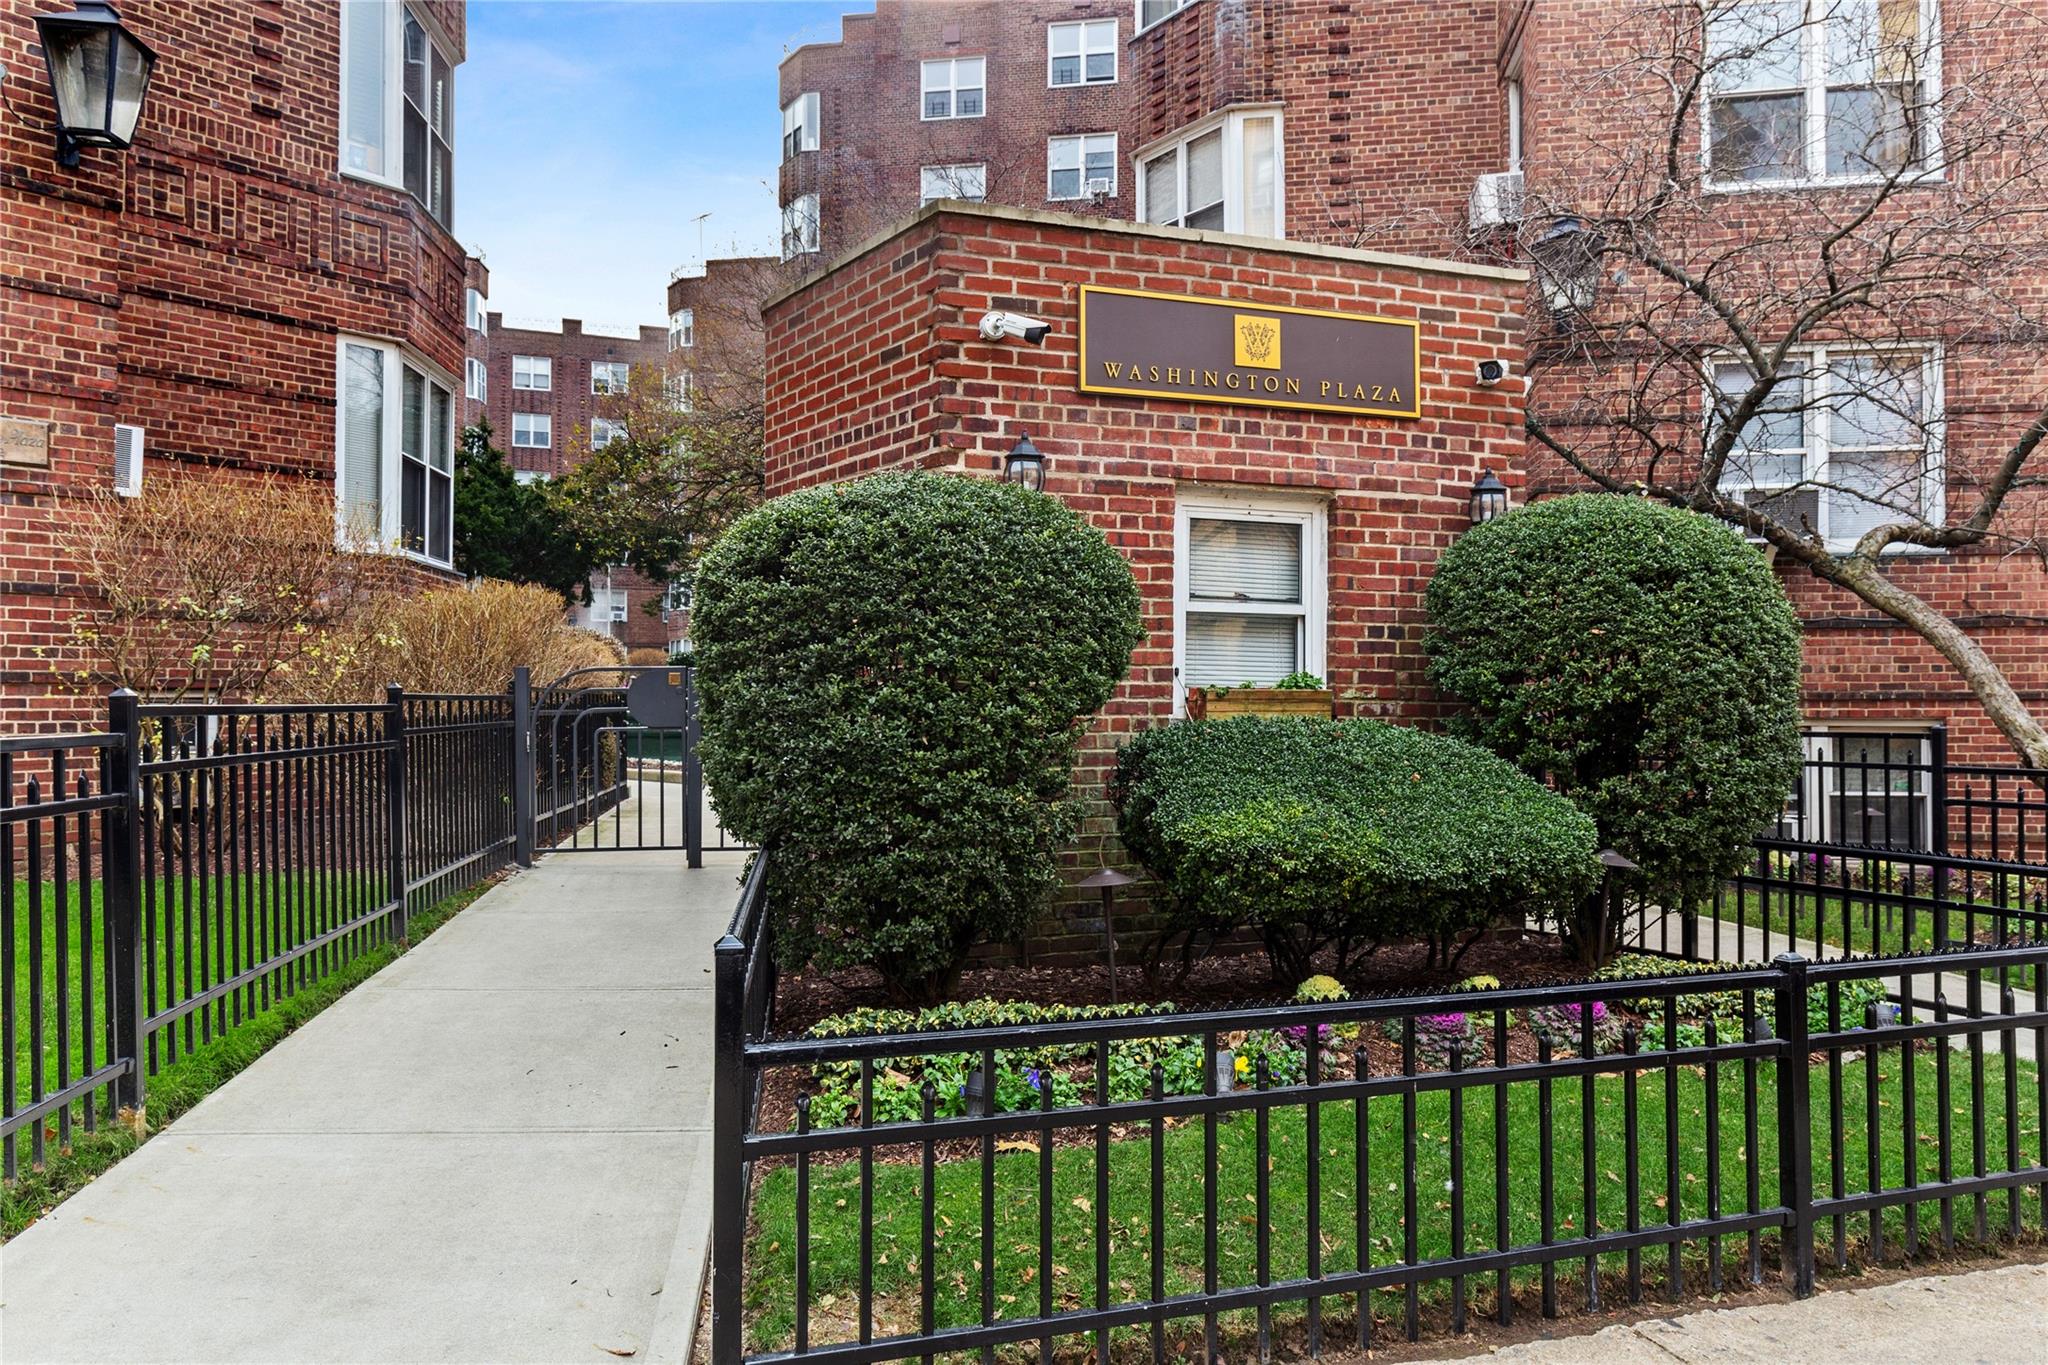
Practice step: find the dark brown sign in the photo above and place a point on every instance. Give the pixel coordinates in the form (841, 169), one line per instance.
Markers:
(1215, 351)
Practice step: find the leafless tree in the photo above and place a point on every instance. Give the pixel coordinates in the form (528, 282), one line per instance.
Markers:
(1848, 358)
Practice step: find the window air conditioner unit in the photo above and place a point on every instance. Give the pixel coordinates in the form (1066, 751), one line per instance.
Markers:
(1496, 201)
(1100, 186)
(127, 461)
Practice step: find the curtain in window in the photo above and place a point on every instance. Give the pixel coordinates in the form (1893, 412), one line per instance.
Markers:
(363, 95)
(362, 439)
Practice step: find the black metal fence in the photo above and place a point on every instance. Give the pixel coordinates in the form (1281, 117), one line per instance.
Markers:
(1315, 1176)
(175, 874)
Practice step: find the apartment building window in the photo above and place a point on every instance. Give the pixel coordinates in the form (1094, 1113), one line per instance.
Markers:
(397, 98)
(1081, 53)
(533, 372)
(526, 476)
(800, 125)
(1871, 786)
(1848, 440)
(953, 88)
(1514, 96)
(395, 452)
(533, 430)
(1224, 175)
(610, 376)
(476, 380)
(680, 389)
(604, 431)
(679, 595)
(682, 329)
(1080, 167)
(800, 226)
(1249, 589)
(1151, 12)
(968, 182)
(473, 311)
(1803, 90)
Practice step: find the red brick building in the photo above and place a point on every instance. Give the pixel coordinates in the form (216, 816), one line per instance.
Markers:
(1412, 126)
(265, 280)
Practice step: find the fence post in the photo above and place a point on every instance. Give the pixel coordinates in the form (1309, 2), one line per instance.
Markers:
(121, 893)
(394, 801)
(1937, 815)
(693, 775)
(728, 1120)
(1795, 1122)
(522, 765)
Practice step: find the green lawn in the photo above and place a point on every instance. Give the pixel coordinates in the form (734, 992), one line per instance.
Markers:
(835, 1199)
(1816, 914)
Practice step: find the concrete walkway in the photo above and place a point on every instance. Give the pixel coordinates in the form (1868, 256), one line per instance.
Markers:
(497, 1149)
(1983, 1317)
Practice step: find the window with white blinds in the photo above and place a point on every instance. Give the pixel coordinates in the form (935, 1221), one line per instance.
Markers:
(1250, 591)
(395, 453)
(362, 441)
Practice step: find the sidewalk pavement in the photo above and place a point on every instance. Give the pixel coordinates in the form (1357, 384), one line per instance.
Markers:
(497, 1149)
(1982, 1317)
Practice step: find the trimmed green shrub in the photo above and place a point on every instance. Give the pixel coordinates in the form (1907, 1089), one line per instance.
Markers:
(1643, 660)
(1314, 832)
(893, 674)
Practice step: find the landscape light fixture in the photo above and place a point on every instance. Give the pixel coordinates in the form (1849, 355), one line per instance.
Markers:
(1489, 498)
(1107, 879)
(1025, 464)
(99, 76)
(1567, 260)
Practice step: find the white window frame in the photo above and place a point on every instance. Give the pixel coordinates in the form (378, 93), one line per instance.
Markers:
(392, 116)
(608, 368)
(476, 380)
(1817, 438)
(953, 87)
(800, 225)
(800, 117)
(526, 476)
(1079, 142)
(1138, 14)
(1823, 777)
(1514, 116)
(1311, 514)
(950, 175)
(541, 422)
(474, 312)
(680, 388)
(1813, 90)
(682, 329)
(1232, 123)
(389, 530)
(1083, 52)
(539, 372)
(605, 430)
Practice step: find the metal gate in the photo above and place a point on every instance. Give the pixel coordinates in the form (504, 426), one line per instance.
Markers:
(609, 763)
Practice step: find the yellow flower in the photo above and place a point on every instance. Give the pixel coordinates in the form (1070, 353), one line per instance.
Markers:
(1243, 1065)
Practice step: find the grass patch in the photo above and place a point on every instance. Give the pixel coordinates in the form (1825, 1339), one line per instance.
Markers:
(835, 1229)
(1848, 920)
(195, 1075)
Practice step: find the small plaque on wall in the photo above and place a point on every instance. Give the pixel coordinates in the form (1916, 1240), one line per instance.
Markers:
(24, 441)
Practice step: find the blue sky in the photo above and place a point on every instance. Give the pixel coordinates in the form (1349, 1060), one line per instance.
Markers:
(588, 134)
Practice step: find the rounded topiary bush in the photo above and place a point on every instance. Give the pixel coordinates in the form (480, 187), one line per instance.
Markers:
(1641, 657)
(893, 672)
(1313, 832)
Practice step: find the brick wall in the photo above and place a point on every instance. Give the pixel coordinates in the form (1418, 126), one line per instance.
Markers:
(877, 365)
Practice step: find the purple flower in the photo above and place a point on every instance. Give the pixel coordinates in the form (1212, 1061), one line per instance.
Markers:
(1034, 1078)
(1440, 1023)
(1297, 1034)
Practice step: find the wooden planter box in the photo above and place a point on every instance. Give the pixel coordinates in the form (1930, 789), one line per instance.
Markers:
(1216, 703)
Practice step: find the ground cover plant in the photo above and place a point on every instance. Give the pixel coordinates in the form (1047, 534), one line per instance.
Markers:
(895, 673)
(1314, 833)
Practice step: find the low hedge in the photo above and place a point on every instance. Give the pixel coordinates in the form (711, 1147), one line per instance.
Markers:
(1314, 832)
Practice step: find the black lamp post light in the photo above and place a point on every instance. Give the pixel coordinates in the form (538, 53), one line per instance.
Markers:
(1567, 260)
(99, 76)
(1025, 464)
(1489, 498)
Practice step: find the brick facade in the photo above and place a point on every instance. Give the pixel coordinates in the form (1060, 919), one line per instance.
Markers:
(195, 283)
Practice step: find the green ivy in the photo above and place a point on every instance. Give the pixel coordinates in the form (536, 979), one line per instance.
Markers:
(895, 673)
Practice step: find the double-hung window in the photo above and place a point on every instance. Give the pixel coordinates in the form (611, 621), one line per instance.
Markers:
(680, 388)
(1081, 53)
(967, 181)
(953, 88)
(1151, 12)
(1249, 589)
(682, 329)
(398, 103)
(1080, 167)
(1847, 440)
(395, 452)
(1224, 175)
(800, 226)
(1805, 90)
(800, 125)
(533, 430)
(610, 376)
(603, 431)
(476, 379)
(473, 311)
(533, 372)
(1871, 787)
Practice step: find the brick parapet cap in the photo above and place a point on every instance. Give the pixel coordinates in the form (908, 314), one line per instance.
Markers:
(1117, 227)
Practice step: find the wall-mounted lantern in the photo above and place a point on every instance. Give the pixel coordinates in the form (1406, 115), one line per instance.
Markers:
(1567, 260)
(99, 75)
(1489, 498)
(1025, 464)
